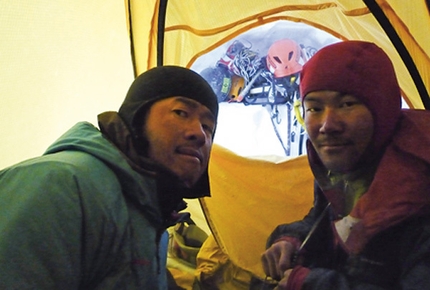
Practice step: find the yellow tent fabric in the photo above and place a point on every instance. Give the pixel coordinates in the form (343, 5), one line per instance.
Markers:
(197, 27)
(66, 61)
(250, 197)
(61, 62)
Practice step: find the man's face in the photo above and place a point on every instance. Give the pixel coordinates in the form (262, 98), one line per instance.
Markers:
(340, 128)
(179, 132)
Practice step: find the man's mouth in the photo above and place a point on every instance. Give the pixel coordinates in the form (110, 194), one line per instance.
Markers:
(188, 151)
(333, 145)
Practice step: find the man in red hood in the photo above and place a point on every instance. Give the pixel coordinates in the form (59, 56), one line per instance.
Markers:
(369, 227)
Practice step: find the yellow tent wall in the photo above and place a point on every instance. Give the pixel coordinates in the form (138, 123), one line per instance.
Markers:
(61, 62)
(66, 61)
(250, 197)
(196, 27)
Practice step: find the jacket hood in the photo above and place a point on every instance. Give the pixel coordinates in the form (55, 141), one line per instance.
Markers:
(84, 137)
(363, 70)
(396, 189)
(113, 126)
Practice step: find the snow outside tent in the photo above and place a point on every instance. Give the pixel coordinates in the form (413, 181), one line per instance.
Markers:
(66, 61)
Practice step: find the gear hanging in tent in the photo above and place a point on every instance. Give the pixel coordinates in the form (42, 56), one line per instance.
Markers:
(283, 58)
(276, 81)
(237, 84)
(220, 79)
(242, 76)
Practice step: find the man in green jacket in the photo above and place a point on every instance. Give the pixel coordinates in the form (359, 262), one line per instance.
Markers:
(90, 212)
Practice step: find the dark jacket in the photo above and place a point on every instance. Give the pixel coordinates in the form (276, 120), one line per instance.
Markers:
(389, 248)
(397, 258)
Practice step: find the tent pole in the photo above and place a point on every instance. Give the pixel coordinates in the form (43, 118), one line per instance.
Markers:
(401, 49)
(130, 32)
(160, 34)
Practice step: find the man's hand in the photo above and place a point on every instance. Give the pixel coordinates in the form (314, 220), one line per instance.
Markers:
(283, 283)
(277, 259)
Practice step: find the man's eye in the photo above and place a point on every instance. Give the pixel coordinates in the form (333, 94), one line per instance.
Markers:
(208, 128)
(312, 109)
(181, 113)
(348, 104)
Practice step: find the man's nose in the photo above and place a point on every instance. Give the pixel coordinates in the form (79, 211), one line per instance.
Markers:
(196, 131)
(331, 122)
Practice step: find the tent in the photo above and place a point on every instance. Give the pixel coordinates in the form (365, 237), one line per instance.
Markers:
(194, 29)
(66, 61)
(169, 32)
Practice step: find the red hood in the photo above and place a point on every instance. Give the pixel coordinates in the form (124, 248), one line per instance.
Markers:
(400, 187)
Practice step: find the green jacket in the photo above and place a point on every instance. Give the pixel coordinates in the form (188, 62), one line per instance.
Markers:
(79, 217)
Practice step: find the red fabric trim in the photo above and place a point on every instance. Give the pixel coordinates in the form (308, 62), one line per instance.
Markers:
(297, 278)
(400, 187)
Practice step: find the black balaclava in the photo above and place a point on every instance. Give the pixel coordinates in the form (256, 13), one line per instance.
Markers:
(159, 83)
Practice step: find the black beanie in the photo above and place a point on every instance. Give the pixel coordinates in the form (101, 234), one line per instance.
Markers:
(164, 82)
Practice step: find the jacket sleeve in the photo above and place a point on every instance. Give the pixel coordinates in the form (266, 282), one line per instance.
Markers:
(40, 229)
(415, 267)
(56, 230)
(402, 262)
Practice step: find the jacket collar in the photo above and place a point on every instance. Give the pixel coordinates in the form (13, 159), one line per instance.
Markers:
(170, 190)
(398, 188)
